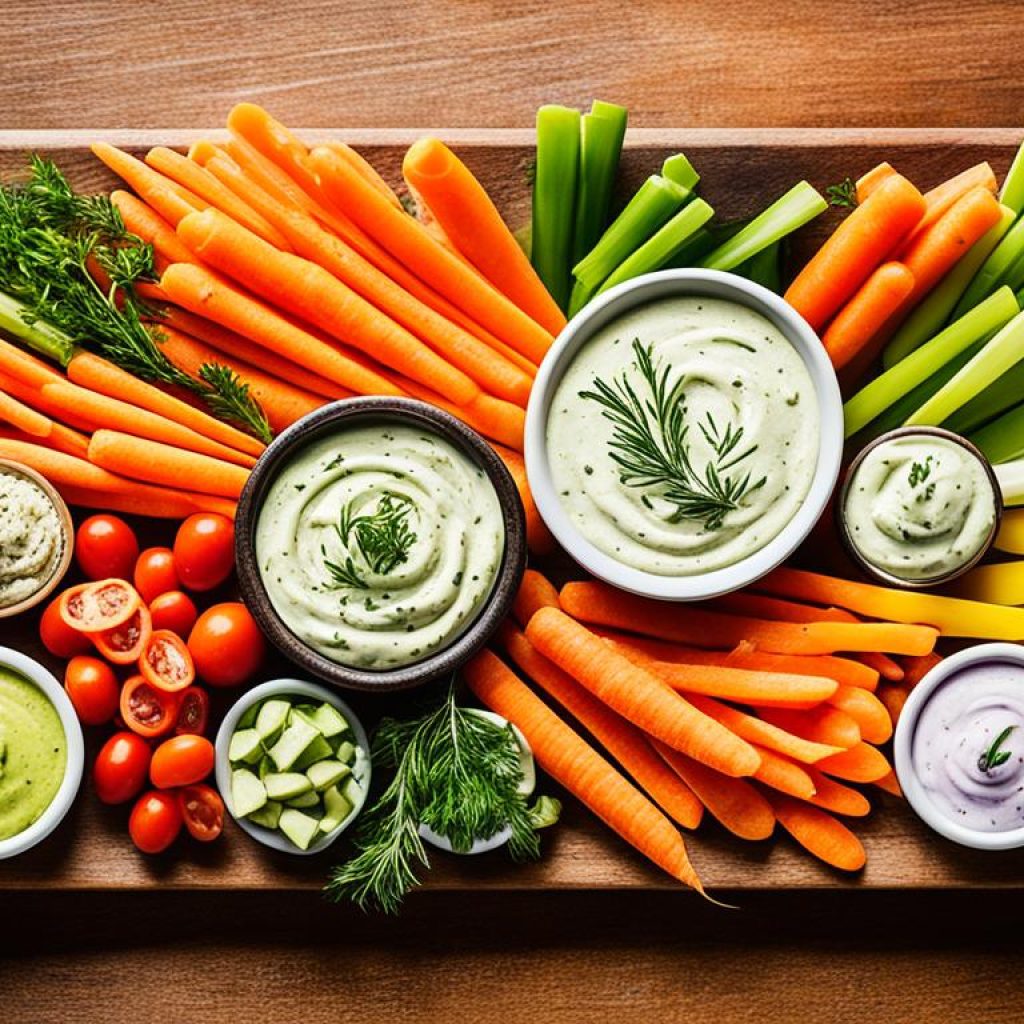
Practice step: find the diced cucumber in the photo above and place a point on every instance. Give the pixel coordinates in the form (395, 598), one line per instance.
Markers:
(268, 815)
(337, 807)
(265, 767)
(307, 709)
(248, 794)
(245, 746)
(298, 827)
(292, 743)
(316, 751)
(286, 785)
(352, 790)
(248, 719)
(271, 719)
(329, 720)
(346, 751)
(325, 774)
(306, 800)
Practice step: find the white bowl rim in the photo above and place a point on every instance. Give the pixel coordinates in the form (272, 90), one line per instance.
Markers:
(906, 728)
(44, 679)
(222, 768)
(604, 309)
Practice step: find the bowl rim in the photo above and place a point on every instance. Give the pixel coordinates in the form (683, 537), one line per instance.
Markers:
(602, 311)
(492, 612)
(41, 677)
(285, 686)
(67, 531)
(906, 728)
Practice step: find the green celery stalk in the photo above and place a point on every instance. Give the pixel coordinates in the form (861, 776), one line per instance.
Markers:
(874, 398)
(662, 245)
(678, 168)
(765, 268)
(993, 271)
(934, 312)
(1011, 481)
(1012, 192)
(1015, 275)
(799, 205)
(554, 197)
(1003, 351)
(1002, 439)
(999, 396)
(41, 336)
(602, 134)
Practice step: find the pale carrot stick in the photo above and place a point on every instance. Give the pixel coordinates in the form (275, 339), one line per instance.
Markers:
(866, 710)
(819, 833)
(870, 182)
(148, 225)
(538, 536)
(779, 773)
(167, 197)
(861, 763)
(824, 724)
(835, 797)
(536, 591)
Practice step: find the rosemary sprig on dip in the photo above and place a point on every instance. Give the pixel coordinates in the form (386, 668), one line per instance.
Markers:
(993, 757)
(383, 540)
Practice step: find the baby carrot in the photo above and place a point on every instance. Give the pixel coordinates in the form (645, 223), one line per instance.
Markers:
(24, 417)
(835, 797)
(824, 724)
(819, 833)
(538, 536)
(363, 166)
(861, 763)
(535, 592)
(893, 699)
(25, 367)
(890, 784)
(866, 710)
(939, 199)
(140, 220)
(868, 183)
(779, 773)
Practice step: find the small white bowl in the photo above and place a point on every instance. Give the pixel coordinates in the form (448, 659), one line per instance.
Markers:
(903, 744)
(75, 764)
(602, 311)
(222, 770)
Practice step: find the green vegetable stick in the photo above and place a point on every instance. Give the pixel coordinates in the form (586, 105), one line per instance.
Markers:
(694, 249)
(765, 268)
(799, 205)
(678, 168)
(934, 312)
(662, 245)
(44, 338)
(1003, 351)
(1012, 192)
(993, 270)
(1011, 481)
(602, 133)
(872, 400)
(1002, 439)
(554, 197)
(999, 396)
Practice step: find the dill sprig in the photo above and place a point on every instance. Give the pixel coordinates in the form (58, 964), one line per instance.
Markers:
(993, 757)
(651, 445)
(231, 399)
(843, 193)
(383, 540)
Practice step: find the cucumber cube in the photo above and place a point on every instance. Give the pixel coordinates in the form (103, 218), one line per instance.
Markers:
(292, 743)
(245, 746)
(346, 752)
(325, 774)
(248, 794)
(268, 815)
(352, 790)
(316, 751)
(298, 827)
(271, 720)
(286, 785)
(337, 808)
(329, 720)
(307, 800)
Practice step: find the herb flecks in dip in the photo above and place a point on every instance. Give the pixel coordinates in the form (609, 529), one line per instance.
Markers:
(919, 506)
(684, 436)
(31, 538)
(379, 544)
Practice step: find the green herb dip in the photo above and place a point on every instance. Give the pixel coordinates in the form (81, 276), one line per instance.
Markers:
(31, 538)
(33, 753)
(379, 545)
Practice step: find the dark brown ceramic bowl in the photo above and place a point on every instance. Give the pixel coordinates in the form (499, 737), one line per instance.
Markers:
(361, 411)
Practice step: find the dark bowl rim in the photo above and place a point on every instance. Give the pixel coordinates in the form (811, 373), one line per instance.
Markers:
(506, 581)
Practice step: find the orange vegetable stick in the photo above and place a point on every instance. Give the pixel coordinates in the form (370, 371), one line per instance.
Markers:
(367, 170)
(538, 536)
(939, 199)
(158, 463)
(638, 695)
(861, 763)
(820, 834)
(918, 668)
(890, 784)
(140, 220)
(161, 504)
(893, 698)
(623, 741)
(60, 439)
(835, 797)
(168, 198)
(35, 398)
(824, 724)
(24, 417)
(536, 591)
(868, 183)
(866, 710)
(779, 773)
(25, 367)
(569, 760)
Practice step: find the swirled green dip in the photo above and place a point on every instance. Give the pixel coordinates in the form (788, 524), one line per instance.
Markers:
(379, 545)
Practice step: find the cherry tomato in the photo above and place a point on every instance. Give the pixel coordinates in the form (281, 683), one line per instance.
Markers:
(121, 768)
(203, 811)
(58, 637)
(155, 821)
(166, 662)
(226, 644)
(93, 689)
(106, 546)
(146, 710)
(204, 550)
(97, 607)
(181, 761)
(125, 643)
(174, 611)
(154, 573)
(193, 712)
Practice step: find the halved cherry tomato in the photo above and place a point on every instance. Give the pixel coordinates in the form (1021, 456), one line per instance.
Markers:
(174, 611)
(204, 550)
(203, 811)
(155, 821)
(121, 768)
(58, 637)
(106, 546)
(93, 689)
(95, 607)
(146, 710)
(125, 643)
(181, 761)
(193, 712)
(155, 573)
(226, 644)
(166, 662)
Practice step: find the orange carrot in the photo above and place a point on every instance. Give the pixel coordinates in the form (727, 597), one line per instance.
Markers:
(890, 784)
(60, 439)
(939, 199)
(36, 399)
(868, 183)
(893, 699)
(886, 667)
(535, 592)
(167, 197)
(158, 503)
(866, 710)
(538, 536)
(823, 724)
(363, 166)
(579, 768)
(24, 417)
(158, 463)
(637, 695)
(835, 797)
(820, 834)
(861, 763)
(855, 249)
(918, 668)
(779, 773)
(140, 220)
(623, 741)
(25, 367)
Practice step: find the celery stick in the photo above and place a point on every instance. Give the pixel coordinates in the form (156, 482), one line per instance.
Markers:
(1011, 481)
(696, 247)
(554, 197)
(765, 268)
(933, 313)
(886, 389)
(799, 205)
(1015, 275)
(1003, 351)
(678, 169)
(1012, 192)
(993, 270)
(662, 245)
(603, 130)
(1002, 439)
(43, 337)
(999, 396)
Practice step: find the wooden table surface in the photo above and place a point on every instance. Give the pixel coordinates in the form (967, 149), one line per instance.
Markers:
(823, 954)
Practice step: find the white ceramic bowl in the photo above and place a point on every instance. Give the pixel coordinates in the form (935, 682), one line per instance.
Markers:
(65, 795)
(649, 288)
(222, 770)
(903, 743)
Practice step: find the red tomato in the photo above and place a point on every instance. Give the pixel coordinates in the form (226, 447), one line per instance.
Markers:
(154, 573)
(146, 710)
(58, 637)
(204, 550)
(155, 821)
(174, 611)
(93, 689)
(97, 607)
(203, 811)
(121, 768)
(106, 546)
(181, 761)
(226, 644)
(125, 643)
(166, 662)
(193, 712)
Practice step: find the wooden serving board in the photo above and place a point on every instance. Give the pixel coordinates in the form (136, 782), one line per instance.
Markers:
(741, 171)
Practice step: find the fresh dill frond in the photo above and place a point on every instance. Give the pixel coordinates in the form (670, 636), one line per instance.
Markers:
(382, 539)
(231, 399)
(843, 193)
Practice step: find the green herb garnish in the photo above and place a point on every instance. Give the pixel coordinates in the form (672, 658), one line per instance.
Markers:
(844, 193)
(920, 471)
(994, 757)
(382, 539)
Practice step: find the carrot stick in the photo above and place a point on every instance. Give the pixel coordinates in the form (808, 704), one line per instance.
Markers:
(855, 249)
(866, 710)
(623, 741)
(890, 784)
(47, 405)
(363, 166)
(820, 834)
(162, 504)
(835, 797)
(472, 222)
(779, 773)
(140, 220)
(939, 199)
(893, 698)
(535, 592)
(158, 463)
(579, 768)
(24, 417)
(637, 695)
(733, 802)
(868, 183)
(25, 367)
(168, 198)
(886, 667)
(538, 536)
(824, 724)
(60, 439)
(861, 763)
(918, 668)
